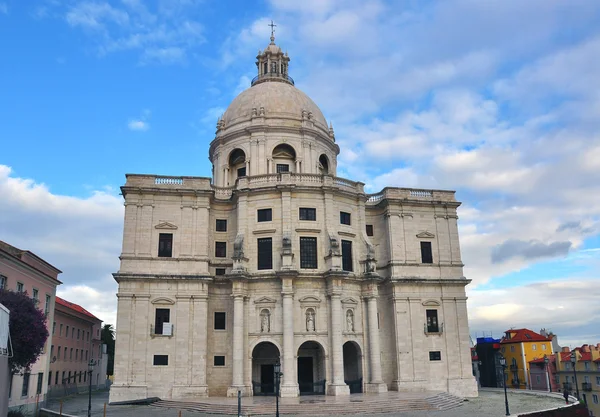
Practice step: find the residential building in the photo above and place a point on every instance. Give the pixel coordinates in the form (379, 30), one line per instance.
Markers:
(276, 258)
(585, 375)
(488, 354)
(4, 353)
(519, 347)
(23, 271)
(543, 374)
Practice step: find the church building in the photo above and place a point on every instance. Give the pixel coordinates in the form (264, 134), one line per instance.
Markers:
(277, 260)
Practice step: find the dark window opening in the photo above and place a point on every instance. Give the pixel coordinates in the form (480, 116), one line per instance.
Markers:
(221, 249)
(347, 255)
(220, 320)
(165, 245)
(432, 321)
(435, 356)
(265, 215)
(221, 225)
(241, 172)
(308, 252)
(308, 214)
(369, 230)
(220, 271)
(163, 315)
(161, 360)
(344, 218)
(265, 253)
(25, 387)
(50, 378)
(426, 254)
(219, 360)
(283, 168)
(40, 383)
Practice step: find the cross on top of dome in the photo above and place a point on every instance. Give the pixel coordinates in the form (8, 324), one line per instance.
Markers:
(272, 32)
(272, 63)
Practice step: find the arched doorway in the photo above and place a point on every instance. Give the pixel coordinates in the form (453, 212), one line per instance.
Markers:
(284, 158)
(353, 367)
(311, 369)
(264, 356)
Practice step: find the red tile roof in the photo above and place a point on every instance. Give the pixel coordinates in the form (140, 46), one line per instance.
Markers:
(525, 335)
(585, 356)
(75, 307)
(538, 360)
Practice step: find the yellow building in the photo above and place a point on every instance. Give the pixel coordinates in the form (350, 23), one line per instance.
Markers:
(519, 346)
(587, 370)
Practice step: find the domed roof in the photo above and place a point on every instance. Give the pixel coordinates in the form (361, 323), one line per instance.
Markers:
(277, 98)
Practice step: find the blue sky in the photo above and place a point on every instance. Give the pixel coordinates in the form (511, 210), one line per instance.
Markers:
(497, 100)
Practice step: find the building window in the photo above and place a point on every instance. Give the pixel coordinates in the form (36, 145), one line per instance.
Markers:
(165, 245)
(595, 398)
(345, 218)
(40, 382)
(538, 379)
(265, 215)
(587, 366)
(76, 354)
(65, 355)
(58, 353)
(35, 294)
(60, 330)
(71, 354)
(432, 321)
(88, 336)
(78, 330)
(220, 320)
(308, 214)
(162, 316)
(56, 378)
(25, 387)
(543, 346)
(161, 360)
(53, 328)
(308, 252)
(283, 168)
(220, 271)
(72, 332)
(2, 282)
(265, 253)
(63, 381)
(347, 255)
(533, 346)
(80, 376)
(512, 348)
(598, 381)
(503, 349)
(219, 361)
(86, 354)
(221, 225)
(241, 172)
(221, 249)
(369, 230)
(20, 287)
(435, 356)
(426, 254)
(50, 378)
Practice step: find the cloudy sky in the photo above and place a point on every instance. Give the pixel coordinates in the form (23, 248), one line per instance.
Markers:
(498, 100)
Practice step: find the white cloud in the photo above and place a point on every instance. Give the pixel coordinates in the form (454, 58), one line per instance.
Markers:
(3, 8)
(138, 125)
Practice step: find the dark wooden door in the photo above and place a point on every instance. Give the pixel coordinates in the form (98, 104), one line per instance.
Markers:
(305, 375)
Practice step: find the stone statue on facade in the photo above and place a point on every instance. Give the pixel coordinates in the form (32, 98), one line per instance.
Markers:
(334, 246)
(349, 321)
(265, 324)
(371, 262)
(287, 245)
(310, 321)
(238, 254)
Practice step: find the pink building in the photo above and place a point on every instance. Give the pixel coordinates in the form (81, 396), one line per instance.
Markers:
(75, 341)
(542, 375)
(23, 271)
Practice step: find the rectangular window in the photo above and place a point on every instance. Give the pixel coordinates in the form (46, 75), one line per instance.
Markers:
(595, 398)
(265, 253)
(78, 330)
(241, 172)
(308, 252)
(347, 255)
(221, 225)
(35, 294)
(533, 346)
(60, 330)
(308, 213)
(71, 354)
(84, 376)
(58, 353)
(220, 271)
(543, 346)
(51, 351)
(53, 328)
(40, 383)
(80, 376)
(162, 315)
(598, 381)
(86, 354)
(49, 378)
(25, 387)
(587, 366)
(76, 354)
(221, 249)
(432, 321)
(72, 332)
(63, 381)
(512, 348)
(2, 282)
(220, 320)
(165, 245)
(265, 215)
(435, 356)
(56, 378)
(219, 361)
(369, 230)
(426, 254)
(161, 360)
(20, 287)
(283, 168)
(345, 218)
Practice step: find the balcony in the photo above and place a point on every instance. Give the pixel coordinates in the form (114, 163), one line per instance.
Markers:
(166, 331)
(586, 386)
(274, 76)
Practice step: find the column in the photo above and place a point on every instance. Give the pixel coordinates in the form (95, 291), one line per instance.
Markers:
(376, 383)
(238, 347)
(247, 167)
(289, 387)
(337, 385)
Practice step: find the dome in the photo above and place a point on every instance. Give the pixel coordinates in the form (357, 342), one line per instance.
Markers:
(277, 98)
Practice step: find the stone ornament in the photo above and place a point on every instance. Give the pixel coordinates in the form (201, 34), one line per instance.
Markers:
(310, 320)
(265, 321)
(350, 321)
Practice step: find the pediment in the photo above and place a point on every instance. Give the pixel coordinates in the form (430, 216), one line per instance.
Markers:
(162, 300)
(431, 303)
(265, 300)
(166, 225)
(310, 299)
(349, 300)
(425, 235)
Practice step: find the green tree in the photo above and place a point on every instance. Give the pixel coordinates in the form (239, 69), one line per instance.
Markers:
(108, 338)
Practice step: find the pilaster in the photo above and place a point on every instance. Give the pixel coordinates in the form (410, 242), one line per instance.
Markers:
(337, 386)
(371, 294)
(289, 387)
(238, 293)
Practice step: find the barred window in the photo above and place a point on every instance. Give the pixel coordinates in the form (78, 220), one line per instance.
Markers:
(432, 321)
(241, 172)
(219, 361)
(283, 168)
(220, 271)
(308, 213)
(265, 215)
(265, 253)
(308, 252)
(220, 320)
(221, 249)
(161, 360)
(221, 225)
(345, 218)
(347, 255)
(435, 356)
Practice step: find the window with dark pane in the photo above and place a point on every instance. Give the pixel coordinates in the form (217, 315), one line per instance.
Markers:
(163, 315)
(161, 360)
(39, 383)
(435, 356)
(220, 320)
(308, 213)
(344, 218)
(221, 225)
(265, 253)
(220, 271)
(426, 254)
(308, 252)
(265, 215)
(432, 321)
(369, 230)
(347, 255)
(221, 249)
(219, 361)
(241, 172)
(165, 245)
(283, 168)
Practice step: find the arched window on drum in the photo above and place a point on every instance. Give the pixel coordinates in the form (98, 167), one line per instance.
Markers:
(284, 159)
(237, 165)
(323, 165)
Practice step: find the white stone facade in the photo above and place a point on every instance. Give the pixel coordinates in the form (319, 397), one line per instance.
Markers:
(347, 315)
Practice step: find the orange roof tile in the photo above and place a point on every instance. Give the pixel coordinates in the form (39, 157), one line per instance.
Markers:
(525, 335)
(585, 356)
(75, 307)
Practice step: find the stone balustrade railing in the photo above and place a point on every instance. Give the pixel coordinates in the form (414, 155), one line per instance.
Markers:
(410, 194)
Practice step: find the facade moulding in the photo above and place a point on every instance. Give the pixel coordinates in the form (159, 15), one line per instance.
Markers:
(150, 258)
(459, 282)
(140, 277)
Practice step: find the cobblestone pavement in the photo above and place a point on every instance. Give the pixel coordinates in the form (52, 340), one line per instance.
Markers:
(489, 403)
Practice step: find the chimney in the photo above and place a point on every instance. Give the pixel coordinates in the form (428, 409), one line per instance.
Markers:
(566, 349)
(585, 348)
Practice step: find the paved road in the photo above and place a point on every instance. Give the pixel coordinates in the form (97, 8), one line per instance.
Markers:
(487, 404)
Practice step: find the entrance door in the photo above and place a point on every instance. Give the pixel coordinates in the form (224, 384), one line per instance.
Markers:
(267, 379)
(305, 375)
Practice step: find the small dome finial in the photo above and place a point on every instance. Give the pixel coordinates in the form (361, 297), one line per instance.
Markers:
(273, 26)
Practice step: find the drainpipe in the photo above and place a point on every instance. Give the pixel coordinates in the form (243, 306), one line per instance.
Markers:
(528, 385)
